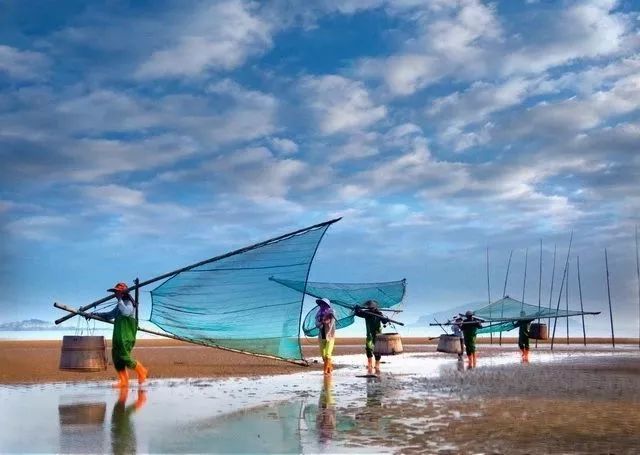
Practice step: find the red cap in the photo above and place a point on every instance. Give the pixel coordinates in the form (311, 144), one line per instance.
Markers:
(120, 287)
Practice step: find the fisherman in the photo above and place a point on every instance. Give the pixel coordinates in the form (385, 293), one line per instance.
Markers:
(326, 323)
(125, 327)
(470, 326)
(374, 319)
(524, 333)
(456, 328)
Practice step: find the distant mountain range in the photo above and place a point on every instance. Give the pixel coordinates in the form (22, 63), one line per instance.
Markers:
(31, 324)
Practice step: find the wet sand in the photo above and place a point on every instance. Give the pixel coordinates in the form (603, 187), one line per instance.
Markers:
(571, 400)
(38, 361)
(583, 404)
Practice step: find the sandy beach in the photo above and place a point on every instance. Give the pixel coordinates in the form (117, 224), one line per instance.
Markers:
(38, 361)
(569, 400)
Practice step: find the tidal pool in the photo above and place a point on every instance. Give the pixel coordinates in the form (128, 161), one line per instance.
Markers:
(570, 401)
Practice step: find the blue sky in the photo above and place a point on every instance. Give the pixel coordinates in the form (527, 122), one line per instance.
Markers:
(136, 139)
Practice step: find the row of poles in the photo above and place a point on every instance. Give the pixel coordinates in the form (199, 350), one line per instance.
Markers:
(565, 277)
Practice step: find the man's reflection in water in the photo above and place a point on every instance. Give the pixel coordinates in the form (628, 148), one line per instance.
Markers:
(374, 393)
(326, 417)
(371, 418)
(123, 437)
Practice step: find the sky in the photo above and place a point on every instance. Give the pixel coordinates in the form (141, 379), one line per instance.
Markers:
(140, 137)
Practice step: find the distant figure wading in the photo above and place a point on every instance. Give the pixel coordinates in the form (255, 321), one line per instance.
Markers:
(470, 326)
(524, 333)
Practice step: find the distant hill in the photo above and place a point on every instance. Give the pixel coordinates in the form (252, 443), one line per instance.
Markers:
(30, 324)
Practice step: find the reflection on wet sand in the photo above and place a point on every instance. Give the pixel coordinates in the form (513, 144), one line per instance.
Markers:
(326, 417)
(561, 403)
(82, 427)
(272, 428)
(123, 436)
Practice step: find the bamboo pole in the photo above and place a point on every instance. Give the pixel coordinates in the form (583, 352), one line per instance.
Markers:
(504, 293)
(175, 337)
(638, 276)
(137, 299)
(489, 295)
(539, 287)
(606, 262)
(553, 274)
(506, 276)
(566, 299)
(584, 332)
(524, 284)
(198, 264)
(564, 274)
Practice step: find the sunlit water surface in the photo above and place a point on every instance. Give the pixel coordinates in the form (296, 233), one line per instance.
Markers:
(422, 403)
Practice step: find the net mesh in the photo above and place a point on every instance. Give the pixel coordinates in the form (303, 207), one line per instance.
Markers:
(344, 297)
(230, 302)
(504, 313)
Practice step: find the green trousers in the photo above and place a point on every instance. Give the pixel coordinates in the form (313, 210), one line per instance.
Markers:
(124, 338)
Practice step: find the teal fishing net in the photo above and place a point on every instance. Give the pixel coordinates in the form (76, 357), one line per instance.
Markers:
(502, 314)
(344, 297)
(230, 301)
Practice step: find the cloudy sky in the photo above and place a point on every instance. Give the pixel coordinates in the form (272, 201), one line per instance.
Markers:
(136, 139)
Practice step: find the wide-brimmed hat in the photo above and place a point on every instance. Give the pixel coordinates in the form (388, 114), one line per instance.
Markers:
(371, 304)
(120, 287)
(323, 301)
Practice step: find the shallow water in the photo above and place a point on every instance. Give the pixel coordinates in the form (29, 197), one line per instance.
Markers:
(562, 402)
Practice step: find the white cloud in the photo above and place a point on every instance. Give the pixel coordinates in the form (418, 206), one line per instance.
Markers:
(451, 39)
(405, 74)
(595, 31)
(116, 196)
(567, 117)
(22, 65)
(255, 172)
(359, 145)
(97, 158)
(340, 104)
(284, 145)
(38, 227)
(220, 36)
(478, 101)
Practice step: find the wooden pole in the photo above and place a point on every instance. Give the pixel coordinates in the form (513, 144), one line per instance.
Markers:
(489, 295)
(564, 274)
(553, 274)
(539, 287)
(524, 284)
(504, 293)
(584, 332)
(566, 299)
(506, 276)
(168, 335)
(198, 264)
(606, 262)
(638, 275)
(137, 299)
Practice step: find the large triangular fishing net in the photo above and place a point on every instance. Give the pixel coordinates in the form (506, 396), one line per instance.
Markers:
(501, 315)
(230, 302)
(344, 297)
